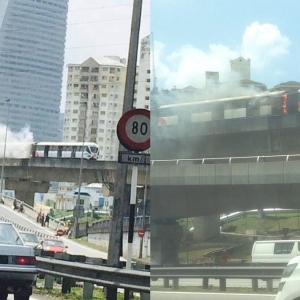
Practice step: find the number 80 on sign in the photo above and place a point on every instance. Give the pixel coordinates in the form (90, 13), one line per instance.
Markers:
(133, 130)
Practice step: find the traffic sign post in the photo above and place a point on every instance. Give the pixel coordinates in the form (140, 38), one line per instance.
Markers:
(133, 131)
(134, 158)
(141, 233)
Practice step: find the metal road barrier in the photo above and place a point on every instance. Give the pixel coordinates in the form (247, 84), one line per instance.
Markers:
(92, 274)
(267, 273)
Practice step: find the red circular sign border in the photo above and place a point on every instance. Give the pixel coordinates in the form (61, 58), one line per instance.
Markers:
(141, 233)
(121, 133)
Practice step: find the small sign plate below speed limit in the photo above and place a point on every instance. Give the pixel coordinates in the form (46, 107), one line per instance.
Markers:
(133, 130)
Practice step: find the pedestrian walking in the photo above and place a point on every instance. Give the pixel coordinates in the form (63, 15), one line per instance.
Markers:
(47, 219)
(38, 218)
(43, 219)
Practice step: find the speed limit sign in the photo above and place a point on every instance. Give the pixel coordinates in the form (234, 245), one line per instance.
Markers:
(133, 130)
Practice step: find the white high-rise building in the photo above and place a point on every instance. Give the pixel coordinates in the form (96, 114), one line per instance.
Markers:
(32, 41)
(142, 82)
(240, 69)
(95, 95)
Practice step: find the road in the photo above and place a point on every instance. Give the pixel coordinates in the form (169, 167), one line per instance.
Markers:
(215, 282)
(208, 296)
(73, 247)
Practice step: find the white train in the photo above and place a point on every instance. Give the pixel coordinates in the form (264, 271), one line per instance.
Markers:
(51, 150)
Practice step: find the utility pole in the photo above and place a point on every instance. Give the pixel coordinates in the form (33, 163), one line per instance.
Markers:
(5, 140)
(76, 226)
(116, 227)
(144, 213)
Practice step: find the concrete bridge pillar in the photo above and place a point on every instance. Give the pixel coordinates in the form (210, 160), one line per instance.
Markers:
(165, 241)
(206, 227)
(25, 190)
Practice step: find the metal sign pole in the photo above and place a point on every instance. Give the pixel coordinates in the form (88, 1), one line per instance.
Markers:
(134, 178)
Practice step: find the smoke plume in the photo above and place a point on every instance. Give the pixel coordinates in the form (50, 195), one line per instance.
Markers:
(18, 144)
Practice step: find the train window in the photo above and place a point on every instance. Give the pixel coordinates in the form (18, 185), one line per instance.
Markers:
(87, 149)
(40, 148)
(239, 113)
(264, 110)
(94, 149)
(53, 148)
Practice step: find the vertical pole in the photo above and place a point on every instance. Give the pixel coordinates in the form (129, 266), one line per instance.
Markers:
(116, 228)
(3, 160)
(80, 174)
(131, 215)
(144, 213)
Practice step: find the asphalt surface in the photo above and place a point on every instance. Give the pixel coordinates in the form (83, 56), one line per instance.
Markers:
(208, 296)
(73, 247)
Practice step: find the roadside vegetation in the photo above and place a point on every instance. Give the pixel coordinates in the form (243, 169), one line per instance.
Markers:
(76, 293)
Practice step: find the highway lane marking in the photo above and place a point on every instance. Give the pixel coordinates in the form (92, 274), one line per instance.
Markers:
(63, 238)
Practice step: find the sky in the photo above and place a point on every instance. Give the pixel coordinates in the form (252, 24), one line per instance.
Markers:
(97, 28)
(195, 36)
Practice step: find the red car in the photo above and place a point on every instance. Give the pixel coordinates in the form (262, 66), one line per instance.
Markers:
(53, 245)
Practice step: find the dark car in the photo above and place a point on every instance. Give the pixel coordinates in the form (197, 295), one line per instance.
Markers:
(18, 270)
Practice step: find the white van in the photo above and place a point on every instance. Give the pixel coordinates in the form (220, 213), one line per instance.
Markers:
(279, 251)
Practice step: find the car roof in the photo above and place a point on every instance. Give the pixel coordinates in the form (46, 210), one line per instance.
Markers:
(277, 241)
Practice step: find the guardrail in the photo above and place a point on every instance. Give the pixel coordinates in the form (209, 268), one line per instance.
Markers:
(228, 160)
(267, 273)
(90, 271)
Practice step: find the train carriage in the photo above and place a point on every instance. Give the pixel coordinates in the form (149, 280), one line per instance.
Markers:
(265, 104)
(66, 150)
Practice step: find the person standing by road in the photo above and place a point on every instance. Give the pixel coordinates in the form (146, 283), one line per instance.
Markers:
(47, 219)
(43, 219)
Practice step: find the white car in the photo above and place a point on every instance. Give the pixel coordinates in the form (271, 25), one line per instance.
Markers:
(288, 288)
(18, 270)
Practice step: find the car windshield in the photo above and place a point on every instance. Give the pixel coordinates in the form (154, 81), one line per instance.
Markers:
(54, 243)
(29, 237)
(9, 235)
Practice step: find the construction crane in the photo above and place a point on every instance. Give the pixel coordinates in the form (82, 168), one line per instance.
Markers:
(154, 88)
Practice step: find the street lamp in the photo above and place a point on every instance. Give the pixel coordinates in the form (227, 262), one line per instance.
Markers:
(3, 160)
(80, 174)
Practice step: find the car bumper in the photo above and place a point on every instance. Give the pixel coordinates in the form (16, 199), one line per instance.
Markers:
(290, 290)
(18, 273)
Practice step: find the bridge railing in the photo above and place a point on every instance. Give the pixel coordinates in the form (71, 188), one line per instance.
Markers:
(227, 160)
(33, 213)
